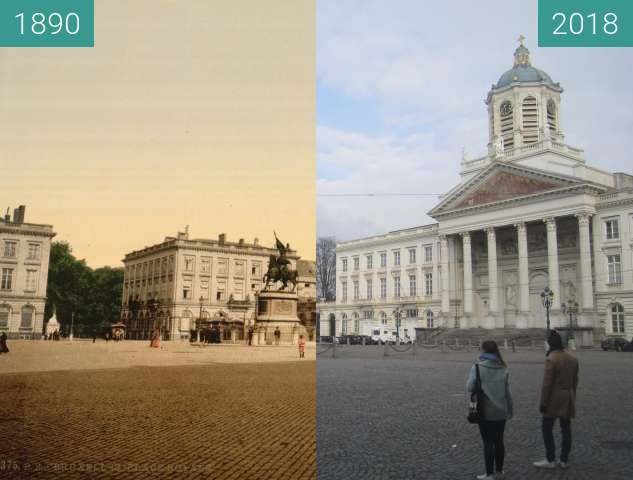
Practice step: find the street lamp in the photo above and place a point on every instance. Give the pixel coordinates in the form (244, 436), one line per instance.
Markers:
(201, 300)
(572, 309)
(397, 313)
(72, 325)
(546, 298)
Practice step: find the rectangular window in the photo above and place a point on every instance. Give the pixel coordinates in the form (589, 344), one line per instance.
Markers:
(383, 259)
(615, 269)
(189, 264)
(356, 263)
(396, 258)
(4, 317)
(396, 287)
(412, 255)
(356, 290)
(34, 251)
(612, 229)
(383, 288)
(412, 286)
(344, 291)
(412, 313)
(344, 264)
(10, 248)
(428, 254)
(370, 262)
(369, 289)
(6, 282)
(428, 284)
(31, 281)
(205, 264)
(26, 320)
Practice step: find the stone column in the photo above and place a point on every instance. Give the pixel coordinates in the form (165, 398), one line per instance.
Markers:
(444, 267)
(468, 281)
(493, 289)
(436, 273)
(524, 278)
(586, 276)
(552, 269)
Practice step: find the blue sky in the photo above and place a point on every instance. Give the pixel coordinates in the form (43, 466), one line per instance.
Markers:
(401, 87)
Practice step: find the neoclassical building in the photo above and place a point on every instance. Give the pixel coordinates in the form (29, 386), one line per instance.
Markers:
(530, 214)
(24, 255)
(173, 284)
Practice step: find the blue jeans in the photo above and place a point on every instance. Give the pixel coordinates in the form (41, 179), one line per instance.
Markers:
(548, 438)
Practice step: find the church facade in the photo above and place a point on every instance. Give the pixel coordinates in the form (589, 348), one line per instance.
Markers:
(530, 214)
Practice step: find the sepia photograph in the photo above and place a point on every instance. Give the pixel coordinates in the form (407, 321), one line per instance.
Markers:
(157, 243)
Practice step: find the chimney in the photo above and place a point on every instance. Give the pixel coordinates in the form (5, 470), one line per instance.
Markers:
(222, 238)
(22, 211)
(7, 216)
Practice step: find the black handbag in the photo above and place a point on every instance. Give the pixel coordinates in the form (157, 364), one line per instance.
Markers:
(476, 407)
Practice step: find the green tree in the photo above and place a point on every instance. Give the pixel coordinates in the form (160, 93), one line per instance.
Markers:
(93, 296)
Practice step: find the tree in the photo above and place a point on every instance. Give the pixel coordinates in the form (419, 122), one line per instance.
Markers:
(92, 296)
(326, 268)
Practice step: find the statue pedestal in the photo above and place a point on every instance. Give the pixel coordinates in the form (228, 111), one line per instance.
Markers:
(277, 309)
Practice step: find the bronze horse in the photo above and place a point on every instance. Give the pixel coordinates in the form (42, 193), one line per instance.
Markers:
(279, 273)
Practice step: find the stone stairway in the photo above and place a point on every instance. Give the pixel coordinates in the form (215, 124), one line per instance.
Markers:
(522, 337)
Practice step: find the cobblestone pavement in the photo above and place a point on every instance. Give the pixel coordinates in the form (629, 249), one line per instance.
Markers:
(38, 356)
(404, 416)
(246, 421)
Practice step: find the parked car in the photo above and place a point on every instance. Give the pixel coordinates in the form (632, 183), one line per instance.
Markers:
(613, 343)
(628, 347)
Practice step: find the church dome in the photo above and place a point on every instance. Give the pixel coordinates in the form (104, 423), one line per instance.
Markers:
(523, 71)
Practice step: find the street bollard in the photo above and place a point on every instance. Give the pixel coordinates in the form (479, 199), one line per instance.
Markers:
(505, 344)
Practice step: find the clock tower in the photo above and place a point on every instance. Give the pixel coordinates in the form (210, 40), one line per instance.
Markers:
(523, 107)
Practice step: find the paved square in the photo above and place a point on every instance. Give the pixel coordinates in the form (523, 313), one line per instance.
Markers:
(200, 419)
(404, 417)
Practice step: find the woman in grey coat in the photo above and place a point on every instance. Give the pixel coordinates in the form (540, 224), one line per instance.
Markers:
(497, 406)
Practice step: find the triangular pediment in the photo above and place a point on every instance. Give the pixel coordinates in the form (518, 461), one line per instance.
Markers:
(501, 182)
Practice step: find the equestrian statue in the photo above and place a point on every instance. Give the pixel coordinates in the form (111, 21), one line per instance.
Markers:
(279, 269)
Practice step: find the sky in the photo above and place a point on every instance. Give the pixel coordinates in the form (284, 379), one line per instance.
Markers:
(195, 112)
(400, 93)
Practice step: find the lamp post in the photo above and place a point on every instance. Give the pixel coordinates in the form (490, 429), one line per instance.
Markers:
(199, 322)
(546, 298)
(572, 309)
(397, 313)
(72, 325)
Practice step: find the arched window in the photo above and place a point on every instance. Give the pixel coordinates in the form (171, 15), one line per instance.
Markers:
(429, 319)
(383, 318)
(617, 318)
(552, 122)
(506, 124)
(26, 320)
(530, 120)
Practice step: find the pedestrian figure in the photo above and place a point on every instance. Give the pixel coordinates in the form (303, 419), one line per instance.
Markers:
(514, 345)
(277, 334)
(497, 406)
(3, 343)
(302, 347)
(155, 342)
(558, 400)
(107, 337)
(94, 337)
(250, 335)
